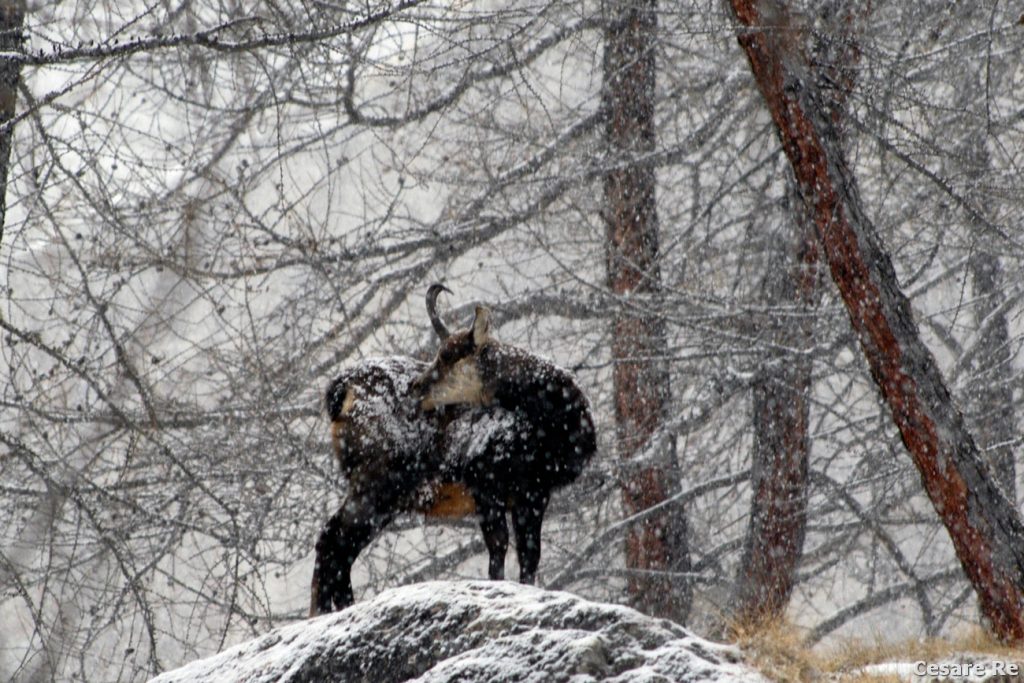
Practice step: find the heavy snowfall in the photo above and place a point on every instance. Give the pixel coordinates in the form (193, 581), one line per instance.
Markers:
(776, 244)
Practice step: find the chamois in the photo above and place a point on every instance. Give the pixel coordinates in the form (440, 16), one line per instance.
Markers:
(398, 458)
(449, 462)
(473, 369)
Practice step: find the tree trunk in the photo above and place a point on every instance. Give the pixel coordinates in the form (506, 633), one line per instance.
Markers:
(990, 393)
(985, 529)
(641, 379)
(779, 461)
(990, 390)
(12, 17)
(781, 395)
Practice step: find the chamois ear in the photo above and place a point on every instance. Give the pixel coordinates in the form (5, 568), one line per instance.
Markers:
(481, 326)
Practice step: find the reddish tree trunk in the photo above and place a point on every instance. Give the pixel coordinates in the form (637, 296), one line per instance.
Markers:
(779, 461)
(641, 381)
(985, 529)
(778, 506)
(780, 458)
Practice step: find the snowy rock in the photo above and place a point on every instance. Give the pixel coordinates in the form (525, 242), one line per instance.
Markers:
(494, 632)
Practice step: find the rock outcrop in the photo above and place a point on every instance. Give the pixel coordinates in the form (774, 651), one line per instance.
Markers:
(498, 632)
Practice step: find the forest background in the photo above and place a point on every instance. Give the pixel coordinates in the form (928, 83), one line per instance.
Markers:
(214, 206)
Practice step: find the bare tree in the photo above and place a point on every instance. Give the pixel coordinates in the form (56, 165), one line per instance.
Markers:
(215, 207)
(640, 378)
(990, 408)
(780, 459)
(984, 527)
(781, 396)
(12, 16)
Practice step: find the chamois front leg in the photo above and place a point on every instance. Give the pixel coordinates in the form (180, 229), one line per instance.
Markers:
(527, 517)
(495, 529)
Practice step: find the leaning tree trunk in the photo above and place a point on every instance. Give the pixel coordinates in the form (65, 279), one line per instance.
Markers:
(986, 531)
(12, 17)
(640, 376)
(781, 393)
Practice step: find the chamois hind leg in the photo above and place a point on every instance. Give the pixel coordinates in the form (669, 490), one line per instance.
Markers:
(527, 518)
(345, 535)
(495, 529)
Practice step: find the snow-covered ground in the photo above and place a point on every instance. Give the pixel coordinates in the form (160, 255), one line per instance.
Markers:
(475, 631)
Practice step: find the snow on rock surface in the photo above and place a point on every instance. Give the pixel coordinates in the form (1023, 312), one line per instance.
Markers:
(475, 632)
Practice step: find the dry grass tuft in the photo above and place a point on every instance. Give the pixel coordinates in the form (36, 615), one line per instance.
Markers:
(856, 653)
(777, 651)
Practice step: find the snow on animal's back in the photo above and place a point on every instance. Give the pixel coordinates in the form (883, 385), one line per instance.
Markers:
(372, 409)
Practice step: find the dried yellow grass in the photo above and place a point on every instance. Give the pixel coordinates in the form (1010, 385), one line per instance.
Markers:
(776, 649)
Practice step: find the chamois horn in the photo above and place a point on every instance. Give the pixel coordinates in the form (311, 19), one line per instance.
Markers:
(435, 320)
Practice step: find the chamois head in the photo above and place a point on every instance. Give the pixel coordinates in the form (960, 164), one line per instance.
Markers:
(454, 376)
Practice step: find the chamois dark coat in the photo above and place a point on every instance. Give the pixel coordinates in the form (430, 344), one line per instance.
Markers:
(503, 452)
(473, 369)
(397, 458)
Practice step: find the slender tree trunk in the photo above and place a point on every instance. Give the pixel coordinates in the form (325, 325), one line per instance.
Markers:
(985, 529)
(991, 391)
(990, 402)
(779, 461)
(641, 379)
(12, 17)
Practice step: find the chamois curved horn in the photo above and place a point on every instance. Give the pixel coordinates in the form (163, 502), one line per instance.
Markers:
(435, 320)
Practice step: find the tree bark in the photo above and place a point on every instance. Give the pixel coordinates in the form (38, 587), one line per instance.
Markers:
(640, 376)
(991, 392)
(779, 459)
(781, 394)
(986, 531)
(990, 404)
(12, 17)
